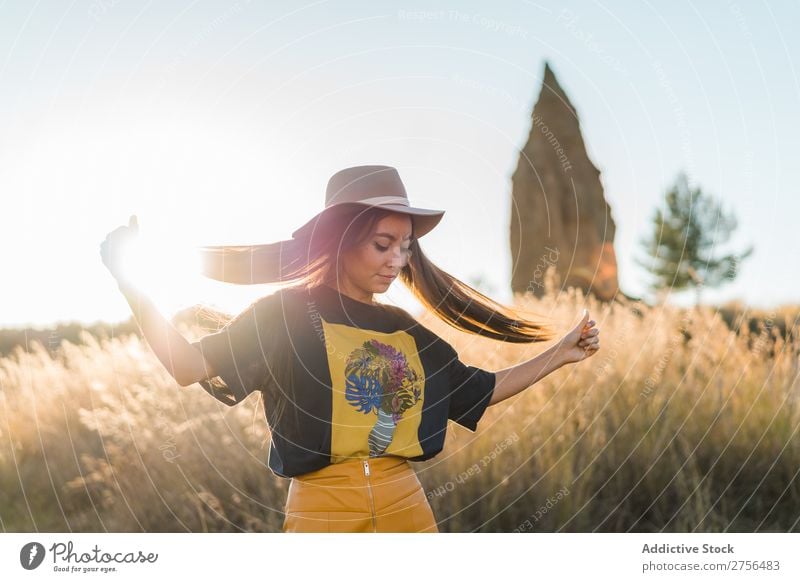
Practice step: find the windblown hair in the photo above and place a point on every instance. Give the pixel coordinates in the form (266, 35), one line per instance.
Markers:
(313, 259)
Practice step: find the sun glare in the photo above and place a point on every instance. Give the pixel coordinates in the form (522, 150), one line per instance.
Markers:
(167, 272)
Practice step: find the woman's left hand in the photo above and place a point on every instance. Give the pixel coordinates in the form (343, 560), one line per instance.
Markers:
(580, 343)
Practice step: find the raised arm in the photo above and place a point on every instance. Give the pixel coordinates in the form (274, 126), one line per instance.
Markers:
(580, 343)
(182, 360)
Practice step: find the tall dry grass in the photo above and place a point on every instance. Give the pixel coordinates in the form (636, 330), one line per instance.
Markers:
(676, 424)
(100, 438)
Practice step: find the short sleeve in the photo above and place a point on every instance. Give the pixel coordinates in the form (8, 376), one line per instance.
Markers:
(471, 390)
(240, 352)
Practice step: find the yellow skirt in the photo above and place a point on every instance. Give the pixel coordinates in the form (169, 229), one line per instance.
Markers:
(379, 494)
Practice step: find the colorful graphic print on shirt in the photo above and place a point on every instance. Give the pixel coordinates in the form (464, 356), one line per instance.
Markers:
(378, 392)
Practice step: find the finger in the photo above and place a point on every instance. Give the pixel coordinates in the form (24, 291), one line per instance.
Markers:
(584, 319)
(133, 222)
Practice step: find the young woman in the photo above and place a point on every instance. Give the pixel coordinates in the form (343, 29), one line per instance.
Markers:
(353, 389)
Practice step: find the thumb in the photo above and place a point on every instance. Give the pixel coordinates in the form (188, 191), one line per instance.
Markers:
(584, 320)
(133, 223)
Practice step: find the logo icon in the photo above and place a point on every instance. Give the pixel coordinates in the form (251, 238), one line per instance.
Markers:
(31, 555)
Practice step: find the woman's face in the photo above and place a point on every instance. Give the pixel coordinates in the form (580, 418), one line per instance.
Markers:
(372, 266)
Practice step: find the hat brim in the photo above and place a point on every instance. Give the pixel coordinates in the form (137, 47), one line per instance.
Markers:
(424, 219)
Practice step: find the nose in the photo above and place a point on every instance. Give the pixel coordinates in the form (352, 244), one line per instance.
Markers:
(399, 259)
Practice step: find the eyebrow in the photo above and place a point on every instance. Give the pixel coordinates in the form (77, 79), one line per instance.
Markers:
(391, 237)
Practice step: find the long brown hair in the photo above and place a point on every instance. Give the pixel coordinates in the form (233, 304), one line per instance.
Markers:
(313, 261)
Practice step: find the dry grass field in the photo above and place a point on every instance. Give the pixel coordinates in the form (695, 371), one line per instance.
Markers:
(676, 424)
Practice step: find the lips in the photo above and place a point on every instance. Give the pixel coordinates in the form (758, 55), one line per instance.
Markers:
(387, 277)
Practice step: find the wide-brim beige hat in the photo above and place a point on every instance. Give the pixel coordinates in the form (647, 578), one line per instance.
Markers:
(378, 186)
(365, 186)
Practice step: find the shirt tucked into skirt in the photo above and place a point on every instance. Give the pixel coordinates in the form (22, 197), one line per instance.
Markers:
(380, 494)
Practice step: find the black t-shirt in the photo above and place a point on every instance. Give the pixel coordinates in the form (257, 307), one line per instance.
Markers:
(363, 380)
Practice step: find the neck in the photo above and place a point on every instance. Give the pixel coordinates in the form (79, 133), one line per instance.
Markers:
(353, 293)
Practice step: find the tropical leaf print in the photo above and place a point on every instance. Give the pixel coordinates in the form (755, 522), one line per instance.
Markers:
(363, 392)
(380, 381)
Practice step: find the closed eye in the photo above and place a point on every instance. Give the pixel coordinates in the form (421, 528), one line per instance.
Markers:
(383, 249)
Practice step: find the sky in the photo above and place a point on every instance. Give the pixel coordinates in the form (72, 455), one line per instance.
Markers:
(221, 122)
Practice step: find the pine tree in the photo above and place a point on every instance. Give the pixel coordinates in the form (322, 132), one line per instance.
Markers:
(684, 248)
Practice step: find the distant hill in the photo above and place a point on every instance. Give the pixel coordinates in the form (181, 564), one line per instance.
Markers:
(51, 338)
(782, 322)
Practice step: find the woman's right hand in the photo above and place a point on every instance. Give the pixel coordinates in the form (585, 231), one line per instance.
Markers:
(111, 249)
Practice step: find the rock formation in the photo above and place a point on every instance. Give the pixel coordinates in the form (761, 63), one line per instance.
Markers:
(559, 215)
